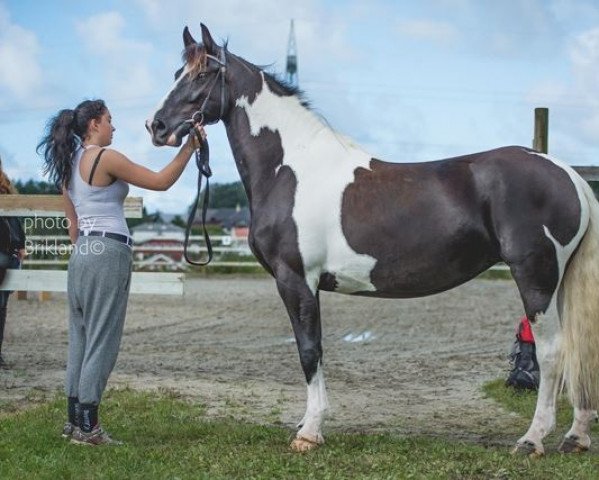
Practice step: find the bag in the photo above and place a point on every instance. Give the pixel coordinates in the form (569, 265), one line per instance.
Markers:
(525, 368)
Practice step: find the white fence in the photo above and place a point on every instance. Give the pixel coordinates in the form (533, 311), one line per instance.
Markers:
(56, 281)
(146, 257)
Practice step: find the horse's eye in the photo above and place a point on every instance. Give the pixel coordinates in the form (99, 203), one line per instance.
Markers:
(178, 73)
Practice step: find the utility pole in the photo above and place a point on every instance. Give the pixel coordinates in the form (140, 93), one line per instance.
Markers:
(292, 59)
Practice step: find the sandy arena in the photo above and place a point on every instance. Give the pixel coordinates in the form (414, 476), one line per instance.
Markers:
(405, 366)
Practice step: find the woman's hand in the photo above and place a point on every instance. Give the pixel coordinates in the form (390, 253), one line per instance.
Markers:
(192, 139)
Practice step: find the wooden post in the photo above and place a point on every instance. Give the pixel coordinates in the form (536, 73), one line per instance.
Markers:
(541, 141)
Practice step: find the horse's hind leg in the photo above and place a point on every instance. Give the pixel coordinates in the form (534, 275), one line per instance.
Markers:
(538, 285)
(548, 343)
(577, 439)
(304, 312)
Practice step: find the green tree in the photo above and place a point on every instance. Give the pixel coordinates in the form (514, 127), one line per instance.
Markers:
(178, 220)
(145, 217)
(227, 195)
(35, 187)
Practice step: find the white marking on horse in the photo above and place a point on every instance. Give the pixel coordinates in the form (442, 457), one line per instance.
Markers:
(316, 409)
(564, 252)
(323, 163)
(185, 71)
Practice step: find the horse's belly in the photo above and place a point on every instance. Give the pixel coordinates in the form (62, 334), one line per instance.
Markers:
(398, 283)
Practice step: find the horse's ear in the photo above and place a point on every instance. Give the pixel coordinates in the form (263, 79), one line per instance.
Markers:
(187, 38)
(209, 44)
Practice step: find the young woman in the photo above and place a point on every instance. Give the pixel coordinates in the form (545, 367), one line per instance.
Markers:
(95, 181)
(14, 250)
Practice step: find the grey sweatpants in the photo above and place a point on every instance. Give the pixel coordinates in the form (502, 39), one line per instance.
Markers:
(98, 290)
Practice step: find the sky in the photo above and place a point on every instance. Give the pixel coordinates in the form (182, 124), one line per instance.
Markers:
(408, 80)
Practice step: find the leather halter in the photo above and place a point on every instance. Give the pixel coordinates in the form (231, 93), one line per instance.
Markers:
(203, 160)
(198, 115)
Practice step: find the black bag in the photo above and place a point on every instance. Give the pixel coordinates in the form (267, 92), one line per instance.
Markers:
(525, 373)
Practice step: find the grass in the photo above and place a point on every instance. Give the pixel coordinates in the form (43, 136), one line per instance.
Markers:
(524, 402)
(170, 438)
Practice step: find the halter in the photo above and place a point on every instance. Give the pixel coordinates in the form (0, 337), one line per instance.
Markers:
(198, 115)
(202, 154)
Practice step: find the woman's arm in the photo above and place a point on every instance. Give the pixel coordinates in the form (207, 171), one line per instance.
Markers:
(69, 210)
(119, 166)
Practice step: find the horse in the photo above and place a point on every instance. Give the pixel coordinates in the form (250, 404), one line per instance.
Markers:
(328, 216)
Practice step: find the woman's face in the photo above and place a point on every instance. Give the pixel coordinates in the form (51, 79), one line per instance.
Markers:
(105, 129)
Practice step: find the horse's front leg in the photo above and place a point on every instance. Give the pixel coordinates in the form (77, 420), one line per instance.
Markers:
(303, 306)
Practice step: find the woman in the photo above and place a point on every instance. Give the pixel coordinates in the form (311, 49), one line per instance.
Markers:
(95, 181)
(14, 245)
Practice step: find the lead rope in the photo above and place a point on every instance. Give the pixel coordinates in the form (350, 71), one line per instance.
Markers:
(202, 155)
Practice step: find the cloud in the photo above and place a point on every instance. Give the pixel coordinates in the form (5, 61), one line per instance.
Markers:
(20, 72)
(127, 61)
(584, 56)
(430, 30)
(254, 27)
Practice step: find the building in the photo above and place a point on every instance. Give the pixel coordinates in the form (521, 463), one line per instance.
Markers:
(158, 245)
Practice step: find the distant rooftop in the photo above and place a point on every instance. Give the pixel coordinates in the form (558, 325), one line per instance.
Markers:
(157, 227)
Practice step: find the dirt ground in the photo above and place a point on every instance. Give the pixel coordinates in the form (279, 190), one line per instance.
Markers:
(407, 366)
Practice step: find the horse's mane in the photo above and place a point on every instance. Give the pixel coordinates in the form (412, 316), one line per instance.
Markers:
(284, 87)
(195, 55)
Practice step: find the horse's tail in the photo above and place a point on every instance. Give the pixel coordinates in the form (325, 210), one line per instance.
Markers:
(580, 313)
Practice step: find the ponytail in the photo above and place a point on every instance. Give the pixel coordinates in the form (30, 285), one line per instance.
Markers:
(64, 134)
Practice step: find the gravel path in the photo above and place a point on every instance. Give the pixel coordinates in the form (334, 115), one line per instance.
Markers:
(394, 365)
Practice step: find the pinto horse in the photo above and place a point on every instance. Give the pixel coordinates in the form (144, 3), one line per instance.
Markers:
(326, 215)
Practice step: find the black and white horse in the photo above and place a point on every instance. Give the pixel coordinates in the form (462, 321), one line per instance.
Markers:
(326, 215)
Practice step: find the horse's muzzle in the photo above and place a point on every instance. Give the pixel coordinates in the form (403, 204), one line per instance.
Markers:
(161, 137)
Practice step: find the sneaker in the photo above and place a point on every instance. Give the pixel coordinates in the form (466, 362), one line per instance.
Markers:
(96, 437)
(67, 430)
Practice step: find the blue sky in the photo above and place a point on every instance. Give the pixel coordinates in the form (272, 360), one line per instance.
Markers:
(409, 80)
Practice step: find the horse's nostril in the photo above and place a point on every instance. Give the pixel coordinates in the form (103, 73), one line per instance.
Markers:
(158, 126)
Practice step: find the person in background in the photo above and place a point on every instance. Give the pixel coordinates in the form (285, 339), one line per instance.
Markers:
(95, 182)
(13, 254)
(525, 372)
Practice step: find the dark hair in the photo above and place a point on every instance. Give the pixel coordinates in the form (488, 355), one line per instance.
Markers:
(64, 133)
(5, 185)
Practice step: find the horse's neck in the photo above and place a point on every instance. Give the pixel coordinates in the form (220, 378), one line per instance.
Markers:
(266, 131)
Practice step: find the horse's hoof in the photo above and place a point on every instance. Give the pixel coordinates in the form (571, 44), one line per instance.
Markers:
(528, 449)
(572, 445)
(301, 445)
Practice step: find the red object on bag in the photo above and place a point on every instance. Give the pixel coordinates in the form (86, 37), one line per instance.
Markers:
(525, 331)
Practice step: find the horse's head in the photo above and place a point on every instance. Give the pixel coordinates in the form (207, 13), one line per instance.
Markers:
(198, 94)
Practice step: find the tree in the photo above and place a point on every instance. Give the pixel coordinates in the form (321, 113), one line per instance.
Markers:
(227, 195)
(178, 220)
(35, 187)
(145, 217)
